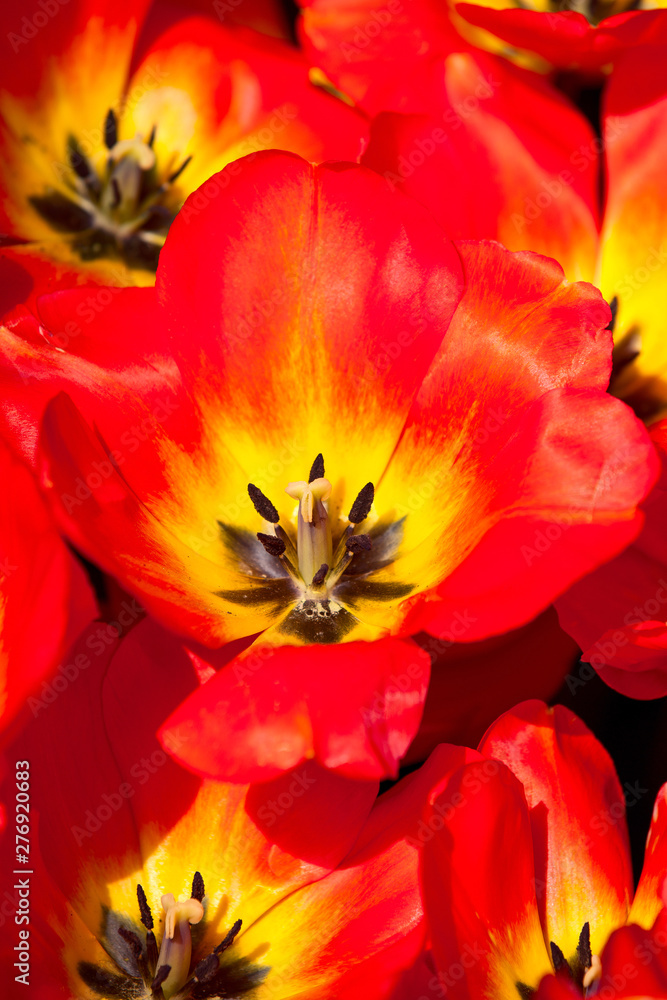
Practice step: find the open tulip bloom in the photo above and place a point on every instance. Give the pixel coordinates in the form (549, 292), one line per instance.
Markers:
(328, 424)
(304, 391)
(148, 882)
(527, 867)
(101, 143)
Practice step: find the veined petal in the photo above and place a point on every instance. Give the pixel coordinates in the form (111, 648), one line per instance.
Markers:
(268, 711)
(479, 884)
(577, 813)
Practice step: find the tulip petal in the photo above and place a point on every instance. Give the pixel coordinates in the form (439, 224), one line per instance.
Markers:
(45, 597)
(518, 458)
(483, 164)
(479, 885)
(633, 248)
(250, 93)
(269, 710)
(302, 257)
(565, 38)
(649, 897)
(577, 813)
(91, 39)
(367, 916)
(617, 613)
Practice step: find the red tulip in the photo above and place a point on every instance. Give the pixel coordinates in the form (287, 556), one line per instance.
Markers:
(292, 888)
(101, 142)
(632, 965)
(464, 469)
(526, 859)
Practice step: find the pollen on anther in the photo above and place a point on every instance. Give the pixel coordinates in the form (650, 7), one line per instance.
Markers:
(273, 545)
(206, 968)
(558, 958)
(359, 543)
(110, 129)
(584, 946)
(319, 577)
(361, 507)
(262, 504)
(316, 469)
(144, 908)
(198, 889)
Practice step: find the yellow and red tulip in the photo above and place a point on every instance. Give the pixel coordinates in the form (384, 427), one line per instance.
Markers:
(526, 859)
(102, 139)
(296, 887)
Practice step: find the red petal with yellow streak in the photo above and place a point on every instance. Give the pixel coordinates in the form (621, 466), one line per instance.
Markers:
(384, 55)
(369, 909)
(479, 885)
(566, 38)
(344, 262)
(650, 895)
(633, 248)
(577, 814)
(544, 475)
(133, 815)
(249, 93)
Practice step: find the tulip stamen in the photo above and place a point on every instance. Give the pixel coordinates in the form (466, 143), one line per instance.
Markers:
(310, 562)
(327, 560)
(262, 504)
(113, 205)
(320, 576)
(159, 981)
(272, 544)
(583, 970)
(361, 507)
(560, 963)
(167, 975)
(317, 469)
